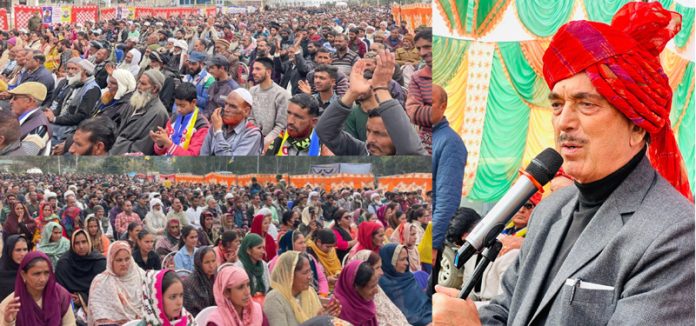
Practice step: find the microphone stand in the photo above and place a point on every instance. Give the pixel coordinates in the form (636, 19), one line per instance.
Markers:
(488, 256)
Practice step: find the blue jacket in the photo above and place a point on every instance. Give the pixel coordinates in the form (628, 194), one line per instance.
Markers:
(182, 259)
(449, 159)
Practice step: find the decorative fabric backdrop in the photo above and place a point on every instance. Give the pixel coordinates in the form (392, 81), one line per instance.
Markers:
(402, 182)
(498, 100)
(3, 19)
(84, 14)
(71, 14)
(107, 13)
(414, 15)
(22, 14)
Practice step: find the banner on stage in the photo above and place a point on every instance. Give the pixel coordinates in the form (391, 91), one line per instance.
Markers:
(65, 14)
(47, 15)
(3, 19)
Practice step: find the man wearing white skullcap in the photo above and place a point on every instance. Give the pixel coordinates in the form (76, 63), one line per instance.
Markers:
(231, 133)
(74, 102)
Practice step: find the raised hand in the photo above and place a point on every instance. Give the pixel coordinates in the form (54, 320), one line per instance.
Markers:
(304, 87)
(384, 71)
(216, 119)
(358, 84)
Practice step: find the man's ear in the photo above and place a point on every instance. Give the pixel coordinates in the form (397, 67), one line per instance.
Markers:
(98, 148)
(637, 135)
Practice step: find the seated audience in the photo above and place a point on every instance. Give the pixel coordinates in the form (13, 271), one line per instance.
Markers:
(143, 252)
(37, 299)
(78, 267)
(122, 279)
(234, 305)
(198, 286)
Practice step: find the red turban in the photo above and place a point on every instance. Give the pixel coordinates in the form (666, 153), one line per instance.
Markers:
(623, 64)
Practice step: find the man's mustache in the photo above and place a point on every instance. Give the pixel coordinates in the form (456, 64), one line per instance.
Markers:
(573, 139)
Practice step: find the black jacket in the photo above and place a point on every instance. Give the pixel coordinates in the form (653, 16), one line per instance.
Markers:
(291, 73)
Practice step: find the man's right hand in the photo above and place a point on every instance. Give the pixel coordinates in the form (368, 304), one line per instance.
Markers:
(216, 119)
(384, 69)
(304, 87)
(59, 149)
(358, 84)
(448, 309)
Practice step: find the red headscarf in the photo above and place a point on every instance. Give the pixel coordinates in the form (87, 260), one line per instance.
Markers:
(20, 224)
(622, 62)
(271, 247)
(354, 308)
(365, 232)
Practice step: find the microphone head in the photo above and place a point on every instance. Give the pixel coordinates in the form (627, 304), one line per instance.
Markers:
(545, 165)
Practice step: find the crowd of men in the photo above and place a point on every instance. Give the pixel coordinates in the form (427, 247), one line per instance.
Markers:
(285, 81)
(162, 221)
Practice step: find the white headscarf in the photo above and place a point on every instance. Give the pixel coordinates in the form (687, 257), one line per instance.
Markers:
(126, 82)
(134, 66)
(117, 297)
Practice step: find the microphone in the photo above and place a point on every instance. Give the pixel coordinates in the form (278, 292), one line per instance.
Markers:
(539, 172)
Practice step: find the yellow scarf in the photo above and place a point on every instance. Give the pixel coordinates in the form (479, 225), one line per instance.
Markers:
(425, 247)
(189, 129)
(306, 305)
(332, 266)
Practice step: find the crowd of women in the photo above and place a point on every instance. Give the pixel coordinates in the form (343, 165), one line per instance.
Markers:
(205, 254)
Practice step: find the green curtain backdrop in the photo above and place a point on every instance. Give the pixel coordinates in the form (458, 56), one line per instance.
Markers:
(503, 140)
(531, 87)
(603, 10)
(666, 3)
(448, 12)
(544, 17)
(687, 24)
(448, 50)
(681, 109)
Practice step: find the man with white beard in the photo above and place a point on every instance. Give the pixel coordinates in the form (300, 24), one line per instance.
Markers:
(76, 103)
(145, 113)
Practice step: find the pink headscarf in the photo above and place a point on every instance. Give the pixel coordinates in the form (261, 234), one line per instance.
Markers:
(226, 314)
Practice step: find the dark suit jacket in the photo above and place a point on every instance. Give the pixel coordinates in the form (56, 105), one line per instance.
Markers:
(634, 260)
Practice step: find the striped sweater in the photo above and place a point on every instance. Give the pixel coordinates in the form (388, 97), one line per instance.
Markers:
(419, 104)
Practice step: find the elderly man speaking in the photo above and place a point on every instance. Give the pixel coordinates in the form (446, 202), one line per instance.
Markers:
(618, 247)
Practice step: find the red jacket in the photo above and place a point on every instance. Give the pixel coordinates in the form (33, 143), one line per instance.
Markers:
(200, 130)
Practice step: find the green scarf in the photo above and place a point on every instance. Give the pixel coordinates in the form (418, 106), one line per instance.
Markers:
(255, 271)
(53, 249)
